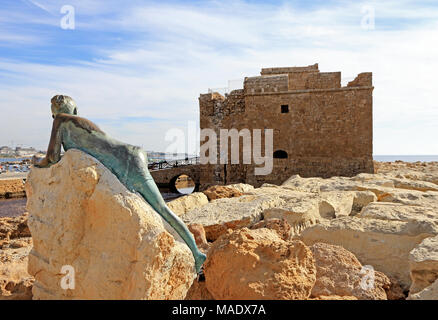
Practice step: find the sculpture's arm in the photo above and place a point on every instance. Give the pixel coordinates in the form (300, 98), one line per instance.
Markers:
(54, 150)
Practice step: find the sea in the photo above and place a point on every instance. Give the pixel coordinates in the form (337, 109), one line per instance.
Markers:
(12, 159)
(385, 158)
(406, 158)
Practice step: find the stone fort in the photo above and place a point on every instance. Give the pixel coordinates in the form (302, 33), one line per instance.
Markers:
(319, 127)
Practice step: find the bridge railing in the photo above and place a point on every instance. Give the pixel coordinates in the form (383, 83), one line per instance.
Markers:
(166, 164)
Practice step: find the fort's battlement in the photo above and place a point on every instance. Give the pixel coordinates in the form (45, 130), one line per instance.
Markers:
(320, 128)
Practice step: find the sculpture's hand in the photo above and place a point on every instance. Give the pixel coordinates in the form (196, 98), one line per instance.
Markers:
(40, 162)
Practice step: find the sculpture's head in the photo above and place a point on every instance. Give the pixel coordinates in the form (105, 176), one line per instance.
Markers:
(63, 104)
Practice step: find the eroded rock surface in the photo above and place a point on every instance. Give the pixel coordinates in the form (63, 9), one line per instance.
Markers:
(423, 261)
(383, 244)
(230, 213)
(258, 264)
(13, 228)
(198, 291)
(281, 226)
(15, 281)
(187, 203)
(80, 215)
(339, 273)
(428, 293)
(219, 192)
(241, 187)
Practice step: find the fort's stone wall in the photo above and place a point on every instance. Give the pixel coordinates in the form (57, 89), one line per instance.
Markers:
(324, 128)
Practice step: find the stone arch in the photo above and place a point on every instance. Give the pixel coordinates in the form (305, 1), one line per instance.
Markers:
(172, 183)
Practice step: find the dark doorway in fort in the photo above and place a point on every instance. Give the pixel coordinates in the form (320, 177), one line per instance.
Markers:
(182, 184)
(285, 108)
(280, 154)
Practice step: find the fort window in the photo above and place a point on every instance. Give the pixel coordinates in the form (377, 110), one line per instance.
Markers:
(285, 108)
(280, 154)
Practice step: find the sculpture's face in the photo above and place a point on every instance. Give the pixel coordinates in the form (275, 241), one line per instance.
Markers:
(63, 104)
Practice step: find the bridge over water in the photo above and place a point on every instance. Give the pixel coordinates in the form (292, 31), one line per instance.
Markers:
(165, 173)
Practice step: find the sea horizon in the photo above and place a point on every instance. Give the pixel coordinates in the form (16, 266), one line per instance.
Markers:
(379, 157)
(405, 158)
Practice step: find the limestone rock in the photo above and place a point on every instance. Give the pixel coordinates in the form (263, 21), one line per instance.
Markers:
(362, 199)
(399, 212)
(258, 264)
(299, 209)
(374, 179)
(199, 234)
(395, 291)
(13, 228)
(230, 213)
(82, 217)
(422, 171)
(241, 187)
(297, 183)
(383, 244)
(15, 281)
(339, 273)
(411, 198)
(281, 226)
(187, 203)
(219, 192)
(414, 185)
(284, 193)
(423, 262)
(335, 204)
(299, 215)
(429, 293)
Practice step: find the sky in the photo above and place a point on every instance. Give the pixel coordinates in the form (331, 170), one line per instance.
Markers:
(136, 68)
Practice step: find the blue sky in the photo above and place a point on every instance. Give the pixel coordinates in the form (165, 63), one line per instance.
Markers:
(137, 67)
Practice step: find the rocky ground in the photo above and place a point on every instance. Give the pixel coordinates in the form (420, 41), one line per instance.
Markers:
(372, 236)
(15, 245)
(12, 188)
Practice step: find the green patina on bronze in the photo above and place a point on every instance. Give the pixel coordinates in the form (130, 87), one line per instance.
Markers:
(129, 163)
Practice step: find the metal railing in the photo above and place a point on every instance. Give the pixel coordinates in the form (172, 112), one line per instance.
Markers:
(168, 164)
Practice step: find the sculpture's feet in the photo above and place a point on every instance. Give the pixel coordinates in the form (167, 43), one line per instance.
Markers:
(40, 162)
(199, 261)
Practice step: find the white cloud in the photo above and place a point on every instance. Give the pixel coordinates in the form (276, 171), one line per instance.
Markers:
(176, 52)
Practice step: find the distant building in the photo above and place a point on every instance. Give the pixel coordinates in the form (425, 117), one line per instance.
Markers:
(25, 152)
(5, 150)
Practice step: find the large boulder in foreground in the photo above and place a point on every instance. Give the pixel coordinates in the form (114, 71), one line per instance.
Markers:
(82, 216)
(258, 264)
